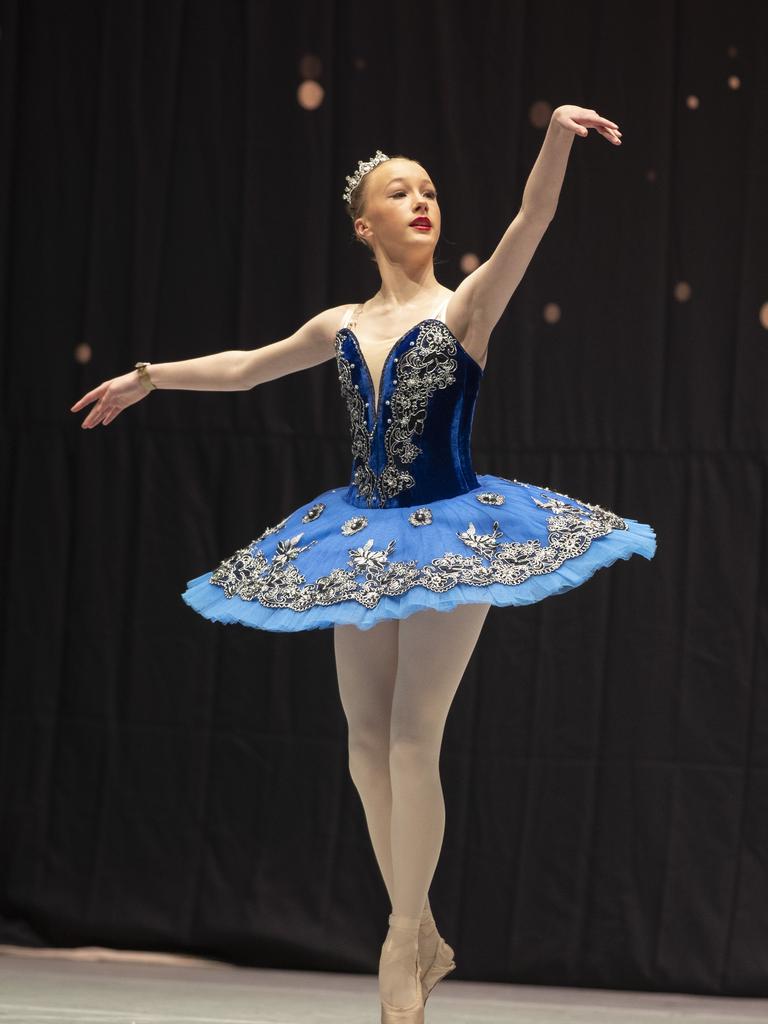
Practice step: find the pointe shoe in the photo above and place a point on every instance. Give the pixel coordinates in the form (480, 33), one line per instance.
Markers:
(413, 1014)
(443, 963)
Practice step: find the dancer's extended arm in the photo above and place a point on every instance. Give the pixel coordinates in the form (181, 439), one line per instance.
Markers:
(232, 370)
(483, 295)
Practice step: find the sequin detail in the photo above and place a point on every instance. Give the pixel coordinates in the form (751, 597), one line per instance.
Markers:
(491, 498)
(421, 517)
(427, 364)
(364, 478)
(313, 513)
(353, 525)
(277, 583)
(424, 367)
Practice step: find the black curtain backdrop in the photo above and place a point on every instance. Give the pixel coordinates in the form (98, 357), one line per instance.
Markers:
(168, 783)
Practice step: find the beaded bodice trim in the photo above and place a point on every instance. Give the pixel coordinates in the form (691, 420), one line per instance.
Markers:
(427, 364)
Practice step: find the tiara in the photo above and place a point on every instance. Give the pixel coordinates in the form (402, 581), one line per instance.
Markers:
(362, 169)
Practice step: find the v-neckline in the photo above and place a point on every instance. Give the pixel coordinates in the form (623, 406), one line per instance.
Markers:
(377, 397)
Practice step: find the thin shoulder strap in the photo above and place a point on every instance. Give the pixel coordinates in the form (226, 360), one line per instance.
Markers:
(440, 314)
(351, 315)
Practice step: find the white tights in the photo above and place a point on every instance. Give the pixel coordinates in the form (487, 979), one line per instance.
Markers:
(396, 682)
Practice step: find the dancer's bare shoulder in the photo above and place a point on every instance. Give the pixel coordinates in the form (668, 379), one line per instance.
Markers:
(329, 322)
(310, 344)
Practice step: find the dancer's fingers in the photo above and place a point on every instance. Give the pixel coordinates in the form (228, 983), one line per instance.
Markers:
(90, 396)
(96, 415)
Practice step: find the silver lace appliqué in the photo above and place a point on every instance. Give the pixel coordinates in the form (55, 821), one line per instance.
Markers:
(364, 478)
(428, 363)
(420, 517)
(491, 498)
(354, 524)
(313, 513)
(277, 583)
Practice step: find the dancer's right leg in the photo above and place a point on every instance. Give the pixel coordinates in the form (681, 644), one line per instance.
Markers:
(366, 664)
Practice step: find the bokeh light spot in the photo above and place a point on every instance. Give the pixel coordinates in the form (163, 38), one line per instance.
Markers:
(469, 262)
(540, 113)
(310, 94)
(310, 66)
(552, 312)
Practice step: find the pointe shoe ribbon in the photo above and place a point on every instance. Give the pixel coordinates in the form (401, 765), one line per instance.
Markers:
(413, 1014)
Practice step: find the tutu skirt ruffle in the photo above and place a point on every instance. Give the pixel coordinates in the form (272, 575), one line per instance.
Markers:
(330, 563)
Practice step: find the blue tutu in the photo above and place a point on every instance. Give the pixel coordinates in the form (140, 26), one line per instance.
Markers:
(415, 528)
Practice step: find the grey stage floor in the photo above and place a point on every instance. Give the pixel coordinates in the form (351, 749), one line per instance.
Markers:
(99, 986)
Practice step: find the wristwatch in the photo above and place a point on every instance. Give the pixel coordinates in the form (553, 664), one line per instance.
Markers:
(144, 377)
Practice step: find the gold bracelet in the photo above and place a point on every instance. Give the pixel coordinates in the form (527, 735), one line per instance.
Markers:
(144, 377)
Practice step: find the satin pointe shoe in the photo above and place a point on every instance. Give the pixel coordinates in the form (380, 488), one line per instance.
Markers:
(413, 1014)
(433, 968)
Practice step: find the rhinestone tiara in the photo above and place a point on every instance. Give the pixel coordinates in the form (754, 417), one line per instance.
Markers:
(363, 166)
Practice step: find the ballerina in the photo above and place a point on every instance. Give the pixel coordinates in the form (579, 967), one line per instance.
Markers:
(438, 543)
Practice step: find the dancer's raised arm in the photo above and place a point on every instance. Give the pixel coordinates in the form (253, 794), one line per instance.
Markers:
(232, 370)
(483, 295)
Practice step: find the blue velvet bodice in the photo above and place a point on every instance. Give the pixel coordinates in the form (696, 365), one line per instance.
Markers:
(415, 447)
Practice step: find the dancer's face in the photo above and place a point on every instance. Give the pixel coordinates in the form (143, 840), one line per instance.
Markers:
(398, 191)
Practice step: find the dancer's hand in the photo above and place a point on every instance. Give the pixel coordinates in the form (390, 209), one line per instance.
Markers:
(111, 398)
(578, 119)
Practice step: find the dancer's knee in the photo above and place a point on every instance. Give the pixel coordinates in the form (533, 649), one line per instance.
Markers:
(368, 756)
(417, 722)
(411, 752)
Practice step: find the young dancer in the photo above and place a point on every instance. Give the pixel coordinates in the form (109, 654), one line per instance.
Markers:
(404, 561)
